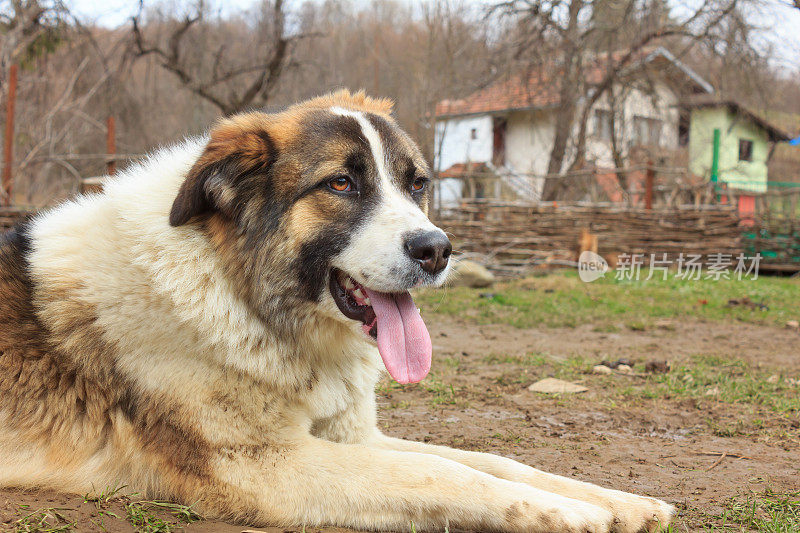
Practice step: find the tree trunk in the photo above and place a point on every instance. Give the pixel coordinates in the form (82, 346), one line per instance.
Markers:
(563, 127)
(569, 91)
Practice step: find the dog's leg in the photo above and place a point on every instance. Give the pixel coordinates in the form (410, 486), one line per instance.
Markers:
(631, 513)
(316, 482)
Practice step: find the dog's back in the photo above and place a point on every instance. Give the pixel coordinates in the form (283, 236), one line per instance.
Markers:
(74, 296)
(47, 401)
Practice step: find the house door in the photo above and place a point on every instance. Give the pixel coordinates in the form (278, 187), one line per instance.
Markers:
(499, 142)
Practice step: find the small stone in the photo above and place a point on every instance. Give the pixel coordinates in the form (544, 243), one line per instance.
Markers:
(466, 273)
(601, 369)
(624, 369)
(774, 378)
(713, 391)
(555, 386)
(793, 324)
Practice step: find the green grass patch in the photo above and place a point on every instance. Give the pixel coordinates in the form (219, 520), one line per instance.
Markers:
(439, 391)
(701, 376)
(49, 520)
(769, 511)
(146, 516)
(560, 299)
(535, 359)
(726, 380)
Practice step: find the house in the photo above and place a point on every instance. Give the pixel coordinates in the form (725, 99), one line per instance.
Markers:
(746, 142)
(509, 126)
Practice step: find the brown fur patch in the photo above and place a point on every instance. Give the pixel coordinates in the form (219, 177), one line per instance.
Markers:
(237, 146)
(358, 101)
(303, 220)
(59, 385)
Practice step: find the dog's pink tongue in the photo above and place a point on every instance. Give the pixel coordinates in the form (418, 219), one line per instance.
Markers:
(403, 339)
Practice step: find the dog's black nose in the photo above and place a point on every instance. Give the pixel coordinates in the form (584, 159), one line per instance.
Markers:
(431, 250)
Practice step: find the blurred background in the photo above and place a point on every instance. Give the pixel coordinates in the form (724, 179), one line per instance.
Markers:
(164, 70)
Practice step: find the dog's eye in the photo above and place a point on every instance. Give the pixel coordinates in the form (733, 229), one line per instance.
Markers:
(341, 184)
(419, 184)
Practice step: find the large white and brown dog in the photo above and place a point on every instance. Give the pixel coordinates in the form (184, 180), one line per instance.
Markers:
(210, 329)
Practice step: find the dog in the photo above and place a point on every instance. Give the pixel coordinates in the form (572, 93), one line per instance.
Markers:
(210, 329)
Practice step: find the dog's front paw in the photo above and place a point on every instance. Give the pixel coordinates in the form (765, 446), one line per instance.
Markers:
(578, 517)
(635, 514)
(588, 518)
(562, 515)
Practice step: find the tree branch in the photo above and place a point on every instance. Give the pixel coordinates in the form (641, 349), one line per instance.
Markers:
(259, 90)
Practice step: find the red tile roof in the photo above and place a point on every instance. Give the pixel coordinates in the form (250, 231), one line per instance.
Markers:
(538, 89)
(511, 93)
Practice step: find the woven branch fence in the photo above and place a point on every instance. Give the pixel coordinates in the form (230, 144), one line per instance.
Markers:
(511, 237)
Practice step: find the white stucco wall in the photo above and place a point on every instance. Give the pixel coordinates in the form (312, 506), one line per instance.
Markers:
(529, 139)
(453, 142)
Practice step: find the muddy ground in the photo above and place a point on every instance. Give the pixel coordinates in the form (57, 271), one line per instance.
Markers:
(667, 445)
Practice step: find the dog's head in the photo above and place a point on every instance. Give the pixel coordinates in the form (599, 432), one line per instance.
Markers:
(322, 208)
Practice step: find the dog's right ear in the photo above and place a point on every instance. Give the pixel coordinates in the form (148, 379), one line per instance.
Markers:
(237, 147)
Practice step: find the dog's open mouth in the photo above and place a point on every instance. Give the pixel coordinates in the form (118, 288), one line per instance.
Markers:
(393, 320)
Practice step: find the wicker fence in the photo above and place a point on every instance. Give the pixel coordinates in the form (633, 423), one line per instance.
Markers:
(513, 237)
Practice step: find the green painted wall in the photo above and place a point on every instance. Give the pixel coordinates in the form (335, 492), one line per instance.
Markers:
(750, 176)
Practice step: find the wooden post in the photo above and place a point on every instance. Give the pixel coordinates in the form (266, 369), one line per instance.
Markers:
(8, 149)
(649, 179)
(111, 145)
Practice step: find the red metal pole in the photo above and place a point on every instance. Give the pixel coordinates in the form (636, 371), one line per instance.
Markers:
(111, 145)
(649, 178)
(8, 149)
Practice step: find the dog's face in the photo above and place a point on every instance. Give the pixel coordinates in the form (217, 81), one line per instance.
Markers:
(322, 209)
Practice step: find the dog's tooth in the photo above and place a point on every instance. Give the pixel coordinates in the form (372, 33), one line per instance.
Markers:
(358, 294)
(348, 283)
(366, 301)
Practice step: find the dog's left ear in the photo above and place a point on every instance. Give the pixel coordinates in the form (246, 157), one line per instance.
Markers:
(238, 147)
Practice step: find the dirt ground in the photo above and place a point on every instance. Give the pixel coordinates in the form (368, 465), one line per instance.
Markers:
(665, 445)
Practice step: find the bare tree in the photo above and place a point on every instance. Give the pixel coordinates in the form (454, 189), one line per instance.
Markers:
(258, 78)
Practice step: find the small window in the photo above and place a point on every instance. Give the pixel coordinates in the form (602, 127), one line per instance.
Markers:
(683, 130)
(473, 134)
(647, 131)
(745, 150)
